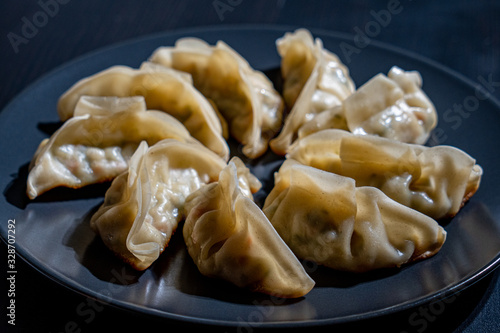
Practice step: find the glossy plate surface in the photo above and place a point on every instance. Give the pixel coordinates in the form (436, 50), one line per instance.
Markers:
(53, 233)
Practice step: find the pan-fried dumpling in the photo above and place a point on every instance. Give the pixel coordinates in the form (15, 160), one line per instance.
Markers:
(245, 97)
(325, 218)
(163, 89)
(91, 149)
(392, 106)
(314, 80)
(436, 181)
(144, 205)
(229, 237)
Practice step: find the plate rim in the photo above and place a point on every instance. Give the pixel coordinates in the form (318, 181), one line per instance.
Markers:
(66, 282)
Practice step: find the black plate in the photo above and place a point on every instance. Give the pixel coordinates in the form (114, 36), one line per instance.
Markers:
(53, 233)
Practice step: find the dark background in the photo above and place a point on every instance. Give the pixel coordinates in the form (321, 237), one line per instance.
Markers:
(462, 35)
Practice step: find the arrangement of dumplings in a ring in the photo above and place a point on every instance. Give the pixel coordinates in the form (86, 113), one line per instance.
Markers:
(357, 190)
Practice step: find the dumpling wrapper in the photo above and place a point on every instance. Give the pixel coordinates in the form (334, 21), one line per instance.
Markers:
(145, 204)
(325, 218)
(105, 105)
(92, 149)
(163, 89)
(245, 97)
(229, 237)
(314, 80)
(436, 181)
(392, 106)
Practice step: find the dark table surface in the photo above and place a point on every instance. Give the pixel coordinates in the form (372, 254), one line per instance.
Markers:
(462, 35)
